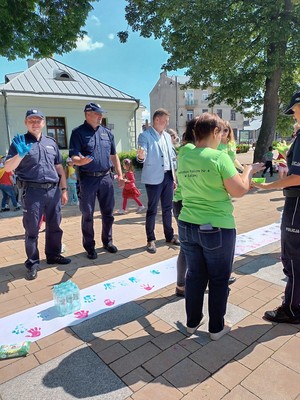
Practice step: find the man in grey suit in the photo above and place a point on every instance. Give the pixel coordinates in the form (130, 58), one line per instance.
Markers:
(155, 152)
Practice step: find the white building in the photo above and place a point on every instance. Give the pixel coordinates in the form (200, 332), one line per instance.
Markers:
(61, 93)
(183, 104)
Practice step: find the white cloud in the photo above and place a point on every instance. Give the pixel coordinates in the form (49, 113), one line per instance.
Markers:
(86, 44)
(96, 20)
(111, 36)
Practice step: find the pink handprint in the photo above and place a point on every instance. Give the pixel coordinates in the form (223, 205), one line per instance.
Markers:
(147, 287)
(81, 314)
(34, 332)
(109, 302)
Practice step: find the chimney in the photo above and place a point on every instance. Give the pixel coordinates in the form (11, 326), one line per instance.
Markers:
(31, 62)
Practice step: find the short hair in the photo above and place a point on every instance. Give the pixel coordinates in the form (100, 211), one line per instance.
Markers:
(160, 112)
(206, 124)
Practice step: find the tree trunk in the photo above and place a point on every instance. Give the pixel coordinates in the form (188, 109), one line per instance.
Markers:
(269, 118)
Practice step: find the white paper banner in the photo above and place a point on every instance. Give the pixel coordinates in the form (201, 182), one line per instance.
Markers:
(40, 321)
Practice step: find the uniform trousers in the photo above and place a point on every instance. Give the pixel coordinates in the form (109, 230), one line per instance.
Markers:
(164, 193)
(290, 253)
(35, 203)
(92, 187)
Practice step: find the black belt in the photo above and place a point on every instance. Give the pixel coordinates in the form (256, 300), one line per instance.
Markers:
(97, 173)
(291, 192)
(38, 185)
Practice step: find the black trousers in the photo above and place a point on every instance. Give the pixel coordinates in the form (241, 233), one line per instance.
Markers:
(290, 253)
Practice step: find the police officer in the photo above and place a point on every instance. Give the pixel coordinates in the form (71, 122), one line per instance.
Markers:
(289, 311)
(38, 166)
(93, 150)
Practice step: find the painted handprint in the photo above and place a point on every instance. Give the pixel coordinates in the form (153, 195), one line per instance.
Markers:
(133, 279)
(81, 314)
(34, 332)
(89, 298)
(154, 272)
(109, 302)
(147, 287)
(19, 329)
(109, 286)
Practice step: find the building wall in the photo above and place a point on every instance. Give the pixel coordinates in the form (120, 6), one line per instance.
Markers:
(119, 116)
(168, 93)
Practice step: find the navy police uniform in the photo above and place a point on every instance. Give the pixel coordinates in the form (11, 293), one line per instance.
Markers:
(38, 178)
(290, 233)
(95, 179)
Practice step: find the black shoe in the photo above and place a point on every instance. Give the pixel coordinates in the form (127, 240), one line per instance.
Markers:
(31, 273)
(111, 248)
(58, 260)
(5, 209)
(92, 255)
(174, 241)
(282, 314)
(231, 280)
(179, 292)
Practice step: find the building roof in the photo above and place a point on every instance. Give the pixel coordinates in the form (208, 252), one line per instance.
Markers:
(50, 77)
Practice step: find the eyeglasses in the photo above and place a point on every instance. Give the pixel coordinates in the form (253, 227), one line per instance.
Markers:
(225, 130)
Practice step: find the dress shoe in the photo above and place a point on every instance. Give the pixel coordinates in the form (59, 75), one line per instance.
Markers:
(31, 273)
(218, 335)
(151, 248)
(92, 255)
(58, 260)
(282, 314)
(190, 331)
(231, 280)
(111, 248)
(174, 241)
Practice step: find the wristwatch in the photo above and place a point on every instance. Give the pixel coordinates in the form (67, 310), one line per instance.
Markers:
(63, 189)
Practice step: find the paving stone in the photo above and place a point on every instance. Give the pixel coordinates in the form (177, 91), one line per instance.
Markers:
(272, 380)
(267, 268)
(78, 374)
(101, 324)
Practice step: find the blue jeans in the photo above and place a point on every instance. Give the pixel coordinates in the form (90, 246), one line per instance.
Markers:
(209, 257)
(8, 191)
(164, 193)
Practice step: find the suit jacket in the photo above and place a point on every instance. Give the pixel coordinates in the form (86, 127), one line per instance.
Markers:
(153, 163)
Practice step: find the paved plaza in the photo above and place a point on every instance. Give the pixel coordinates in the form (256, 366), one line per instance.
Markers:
(140, 351)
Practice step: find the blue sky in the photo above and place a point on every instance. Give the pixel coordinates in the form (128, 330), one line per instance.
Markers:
(133, 67)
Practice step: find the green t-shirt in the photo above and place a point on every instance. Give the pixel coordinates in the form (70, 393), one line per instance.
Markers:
(182, 150)
(201, 173)
(229, 148)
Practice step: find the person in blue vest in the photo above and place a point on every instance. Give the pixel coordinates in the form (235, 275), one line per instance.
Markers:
(40, 174)
(156, 154)
(92, 148)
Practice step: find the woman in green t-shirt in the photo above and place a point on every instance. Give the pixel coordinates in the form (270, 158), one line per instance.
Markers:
(208, 179)
(228, 145)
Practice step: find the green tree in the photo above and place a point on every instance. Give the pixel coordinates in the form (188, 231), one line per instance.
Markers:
(249, 50)
(41, 28)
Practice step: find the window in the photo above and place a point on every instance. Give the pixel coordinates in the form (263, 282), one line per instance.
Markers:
(189, 95)
(56, 128)
(204, 110)
(219, 112)
(204, 95)
(189, 114)
(232, 115)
